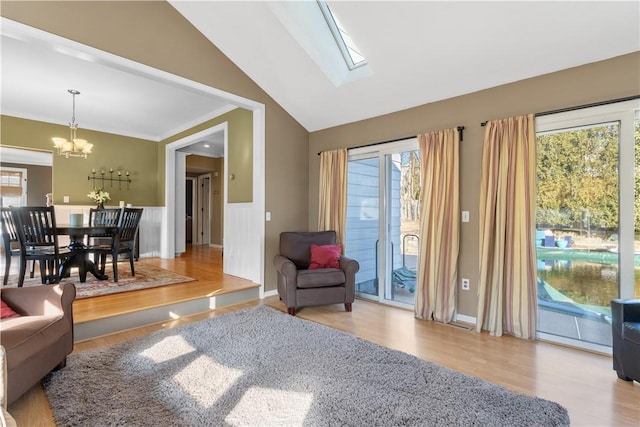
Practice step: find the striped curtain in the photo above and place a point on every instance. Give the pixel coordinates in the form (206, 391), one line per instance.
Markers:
(439, 226)
(507, 289)
(333, 193)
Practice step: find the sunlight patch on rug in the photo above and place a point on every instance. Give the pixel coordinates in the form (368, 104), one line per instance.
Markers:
(167, 349)
(205, 381)
(280, 407)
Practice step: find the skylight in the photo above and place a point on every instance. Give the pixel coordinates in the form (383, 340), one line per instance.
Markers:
(348, 48)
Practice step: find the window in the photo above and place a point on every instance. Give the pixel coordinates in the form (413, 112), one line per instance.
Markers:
(13, 186)
(587, 227)
(352, 55)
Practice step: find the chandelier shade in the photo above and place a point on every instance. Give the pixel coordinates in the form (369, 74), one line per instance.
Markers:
(74, 147)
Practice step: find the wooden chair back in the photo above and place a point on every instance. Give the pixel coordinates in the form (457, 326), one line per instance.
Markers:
(129, 222)
(36, 226)
(9, 229)
(104, 217)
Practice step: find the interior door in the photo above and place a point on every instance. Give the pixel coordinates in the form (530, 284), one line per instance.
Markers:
(204, 209)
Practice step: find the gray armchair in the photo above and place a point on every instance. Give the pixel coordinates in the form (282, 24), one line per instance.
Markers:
(298, 286)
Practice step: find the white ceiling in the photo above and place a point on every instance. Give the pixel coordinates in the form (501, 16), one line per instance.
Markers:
(38, 69)
(418, 52)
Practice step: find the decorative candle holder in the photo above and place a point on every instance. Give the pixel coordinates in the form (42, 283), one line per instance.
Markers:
(119, 178)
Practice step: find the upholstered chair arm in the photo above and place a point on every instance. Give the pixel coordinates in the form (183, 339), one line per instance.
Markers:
(349, 265)
(41, 300)
(285, 266)
(287, 279)
(350, 268)
(625, 310)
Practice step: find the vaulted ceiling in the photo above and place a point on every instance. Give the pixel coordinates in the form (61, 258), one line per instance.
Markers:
(417, 52)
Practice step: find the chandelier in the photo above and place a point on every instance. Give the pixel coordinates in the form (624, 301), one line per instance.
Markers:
(75, 147)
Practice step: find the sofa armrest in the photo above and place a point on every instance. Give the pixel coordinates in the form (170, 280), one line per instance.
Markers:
(625, 310)
(41, 300)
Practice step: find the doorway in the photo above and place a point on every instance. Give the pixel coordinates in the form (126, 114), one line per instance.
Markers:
(190, 208)
(204, 210)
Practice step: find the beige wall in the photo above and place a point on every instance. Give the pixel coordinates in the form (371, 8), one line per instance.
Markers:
(70, 175)
(615, 78)
(154, 34)
(39, 180)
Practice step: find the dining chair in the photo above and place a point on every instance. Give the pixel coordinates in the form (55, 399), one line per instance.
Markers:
(102, 217)
(36, 226)
(122, 242)
(10, 241)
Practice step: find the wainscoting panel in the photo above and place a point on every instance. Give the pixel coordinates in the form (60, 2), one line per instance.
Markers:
(149, 231)
(241, 246)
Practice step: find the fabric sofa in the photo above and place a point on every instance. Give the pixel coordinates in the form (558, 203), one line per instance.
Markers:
(39, 340)
(625, 324)
(301, 285)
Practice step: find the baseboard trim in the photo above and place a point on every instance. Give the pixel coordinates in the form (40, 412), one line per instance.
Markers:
(466, 319)
(271, 293)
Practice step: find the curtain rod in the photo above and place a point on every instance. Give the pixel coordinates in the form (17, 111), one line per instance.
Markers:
(459, 128)
(580, 107)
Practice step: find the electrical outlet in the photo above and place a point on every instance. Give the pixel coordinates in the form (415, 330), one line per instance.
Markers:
(65, 199)
(465, 284)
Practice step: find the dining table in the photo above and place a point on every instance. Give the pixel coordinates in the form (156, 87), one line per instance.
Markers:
(79, 249)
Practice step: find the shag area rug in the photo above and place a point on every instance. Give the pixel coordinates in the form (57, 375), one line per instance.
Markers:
(261, 367)
(147, 276)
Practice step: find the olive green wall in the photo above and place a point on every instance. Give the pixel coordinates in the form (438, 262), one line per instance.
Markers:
(155, 34)
(70, 175)
(39, 182)
(600, 81)
(240, 151)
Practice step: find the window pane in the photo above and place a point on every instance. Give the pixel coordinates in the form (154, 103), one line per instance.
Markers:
(362, 241)
(577, 231)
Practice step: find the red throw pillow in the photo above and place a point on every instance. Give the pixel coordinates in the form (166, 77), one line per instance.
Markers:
(6, 311)
(325, 256)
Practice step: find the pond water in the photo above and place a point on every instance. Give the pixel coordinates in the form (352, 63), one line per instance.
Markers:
(584, 282)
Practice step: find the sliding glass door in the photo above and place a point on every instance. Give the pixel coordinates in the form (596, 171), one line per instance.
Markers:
(383, 212)
(587, 222)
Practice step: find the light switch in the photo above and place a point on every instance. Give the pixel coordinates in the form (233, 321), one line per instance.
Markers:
(268, 216)
(465, 216)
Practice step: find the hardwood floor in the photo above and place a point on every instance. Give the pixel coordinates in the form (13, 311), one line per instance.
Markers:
(582, 382)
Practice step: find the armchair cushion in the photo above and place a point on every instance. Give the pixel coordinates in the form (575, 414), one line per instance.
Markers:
(320, 278)
(295, 245)
(325, 256)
